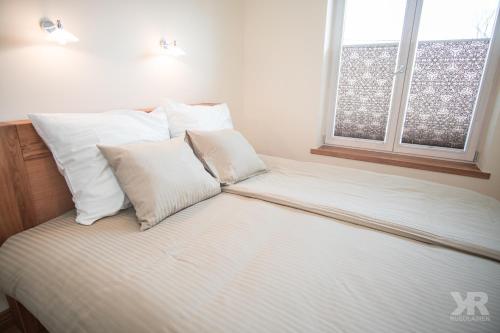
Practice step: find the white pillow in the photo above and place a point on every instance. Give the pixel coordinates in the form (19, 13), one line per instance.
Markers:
(182, 117)
(160, 178)
(72, 139)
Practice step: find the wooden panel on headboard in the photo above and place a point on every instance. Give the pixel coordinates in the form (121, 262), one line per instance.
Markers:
(32, 145)
(32, 190)
(46, 182)
(16, 211)
(49, 193)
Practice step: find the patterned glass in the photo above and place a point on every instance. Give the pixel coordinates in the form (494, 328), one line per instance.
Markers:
(450, 58)
(365, 90)
(444, 87)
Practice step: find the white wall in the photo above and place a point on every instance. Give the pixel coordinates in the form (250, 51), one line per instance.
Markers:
(283, 114)
(114, 65)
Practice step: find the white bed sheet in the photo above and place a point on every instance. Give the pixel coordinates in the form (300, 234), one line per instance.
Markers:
(236, 264)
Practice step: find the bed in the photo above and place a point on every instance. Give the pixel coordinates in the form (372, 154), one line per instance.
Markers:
(267, 255)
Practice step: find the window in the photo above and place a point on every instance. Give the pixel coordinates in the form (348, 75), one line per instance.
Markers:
(412, 76)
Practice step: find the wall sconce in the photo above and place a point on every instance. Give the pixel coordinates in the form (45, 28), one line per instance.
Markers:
(56, 32)
(171, 48)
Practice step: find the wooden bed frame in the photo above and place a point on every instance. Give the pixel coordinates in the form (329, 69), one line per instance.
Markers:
(32, 191)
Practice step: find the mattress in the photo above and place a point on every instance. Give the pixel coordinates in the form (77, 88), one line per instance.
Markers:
(238, 264)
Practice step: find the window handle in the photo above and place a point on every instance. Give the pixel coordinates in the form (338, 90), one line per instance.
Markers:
(400, 69)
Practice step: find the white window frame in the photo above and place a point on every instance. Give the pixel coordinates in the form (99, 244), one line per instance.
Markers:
(401, 86)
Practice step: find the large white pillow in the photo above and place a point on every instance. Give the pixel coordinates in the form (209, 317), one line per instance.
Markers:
(73, 137)
(183, 117)
(160, 178)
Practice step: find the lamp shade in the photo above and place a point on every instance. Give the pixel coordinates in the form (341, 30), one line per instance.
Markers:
(56, 32)
(171, 48)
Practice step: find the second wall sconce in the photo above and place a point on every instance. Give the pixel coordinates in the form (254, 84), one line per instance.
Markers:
(171, 48)
(56, 33)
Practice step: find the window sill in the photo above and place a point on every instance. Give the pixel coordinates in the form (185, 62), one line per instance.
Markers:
(405, 161)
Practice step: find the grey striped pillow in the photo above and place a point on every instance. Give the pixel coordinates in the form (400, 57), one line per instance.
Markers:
(160, 178)
(226, 154)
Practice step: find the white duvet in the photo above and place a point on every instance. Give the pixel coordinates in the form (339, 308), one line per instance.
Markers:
(425, 211)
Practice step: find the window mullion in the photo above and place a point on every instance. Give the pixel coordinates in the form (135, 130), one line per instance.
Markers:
(406, 58)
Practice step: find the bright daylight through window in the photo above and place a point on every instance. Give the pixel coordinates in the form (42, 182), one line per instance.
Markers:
(409, 76)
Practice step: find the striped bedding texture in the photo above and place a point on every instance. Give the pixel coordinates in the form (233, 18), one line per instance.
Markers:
(237, 264)
(439, 214)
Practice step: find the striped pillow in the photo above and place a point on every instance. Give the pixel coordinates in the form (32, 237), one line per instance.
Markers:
(160, 178)
(226, 154)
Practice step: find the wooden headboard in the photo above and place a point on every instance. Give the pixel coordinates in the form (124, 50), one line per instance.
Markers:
(32, 190)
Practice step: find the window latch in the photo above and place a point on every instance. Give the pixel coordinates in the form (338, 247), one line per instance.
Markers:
(400, 69)
(476, 156)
